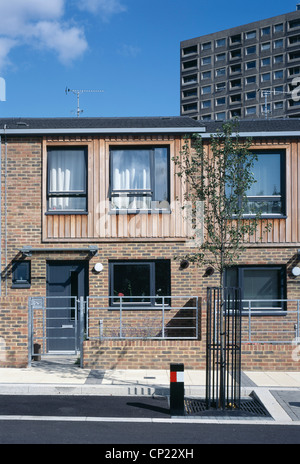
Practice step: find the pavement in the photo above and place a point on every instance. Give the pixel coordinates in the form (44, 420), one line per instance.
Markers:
(279, 392)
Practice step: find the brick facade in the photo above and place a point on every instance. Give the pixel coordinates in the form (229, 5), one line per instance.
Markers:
(22, 224)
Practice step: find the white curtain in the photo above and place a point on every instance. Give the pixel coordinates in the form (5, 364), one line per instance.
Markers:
(131, 171)
(66, 175)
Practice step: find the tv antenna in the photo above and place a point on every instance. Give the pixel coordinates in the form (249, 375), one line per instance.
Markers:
(78, 92)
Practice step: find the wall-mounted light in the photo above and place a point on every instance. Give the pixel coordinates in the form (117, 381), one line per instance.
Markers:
(296, 271)
(98, 267)
(184, 264)
(209, 271)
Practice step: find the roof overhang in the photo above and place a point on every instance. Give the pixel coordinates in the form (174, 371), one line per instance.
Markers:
(115, 130)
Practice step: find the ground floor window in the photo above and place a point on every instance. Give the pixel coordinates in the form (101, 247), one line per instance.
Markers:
(21, 271)
(262, 286)
(140, 282)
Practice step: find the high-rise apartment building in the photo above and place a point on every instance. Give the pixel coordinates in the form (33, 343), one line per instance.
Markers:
(250, 71)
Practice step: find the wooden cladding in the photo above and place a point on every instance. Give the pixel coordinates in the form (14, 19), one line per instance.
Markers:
(99, 223)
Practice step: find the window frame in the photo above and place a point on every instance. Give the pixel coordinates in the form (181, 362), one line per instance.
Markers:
(131, 192)
(282, 290)
(73, 193)
(282, 153)
(26, 283)
(152, 304)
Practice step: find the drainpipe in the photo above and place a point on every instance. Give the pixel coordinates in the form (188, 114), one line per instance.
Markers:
(5, 207)
(0, 216)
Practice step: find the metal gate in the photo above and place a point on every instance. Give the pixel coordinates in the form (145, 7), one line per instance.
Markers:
(56, 326)
(223, 348)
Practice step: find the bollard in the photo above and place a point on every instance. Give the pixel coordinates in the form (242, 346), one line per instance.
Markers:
(177, 390)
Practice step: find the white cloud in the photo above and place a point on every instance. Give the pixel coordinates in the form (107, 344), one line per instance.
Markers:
(39, 23)
(106, 8)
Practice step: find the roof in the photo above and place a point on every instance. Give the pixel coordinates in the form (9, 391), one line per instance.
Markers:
(175, 124)
(99, 125)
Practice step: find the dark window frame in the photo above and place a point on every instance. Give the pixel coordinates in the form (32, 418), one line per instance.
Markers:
(24, 283)
(145, 192)
(282, 290)
(155, 302)
(258, 198)
(72, 194)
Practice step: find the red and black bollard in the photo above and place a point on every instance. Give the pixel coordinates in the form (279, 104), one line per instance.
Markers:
(177, 390)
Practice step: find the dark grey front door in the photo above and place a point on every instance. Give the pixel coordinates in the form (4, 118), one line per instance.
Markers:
(66, 282)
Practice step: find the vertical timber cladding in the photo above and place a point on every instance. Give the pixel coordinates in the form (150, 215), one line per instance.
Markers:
(99, 223)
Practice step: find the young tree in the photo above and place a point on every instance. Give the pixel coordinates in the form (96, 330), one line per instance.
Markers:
(217, 180)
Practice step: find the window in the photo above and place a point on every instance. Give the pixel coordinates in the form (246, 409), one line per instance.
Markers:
(294, 55)
(278, 43)
(206, 75)
(144, 280)
(190, 79)
(278, 28)
(236, 54)
(251, 50)
(221, 116)
(250, 80)
(294, 40)
(206, 104)
(235, 98)
(190, 50)
(250, 65)
(236, 83)
(278, 105)
(266, 195)
(278, 59)
(235, 39)
(206, 60)
(265, 46)
(259, 284)
(206, 46)
(206, 90)
(294, 23)
(266, 77)
(190, 93)
(266, 31)
(21, 274)
(220, 43)
(190, 64)
(139, 178)
(278, 74)
(221, 57)
(190, 107)
(251, 35)
(251, 95)
(237, 68)
(266, 62)
(220, 86)
(67, 180)
(220, 72)
(251, 110)
(221, 101)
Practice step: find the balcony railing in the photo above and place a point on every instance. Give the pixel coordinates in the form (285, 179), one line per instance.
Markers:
(142, 317)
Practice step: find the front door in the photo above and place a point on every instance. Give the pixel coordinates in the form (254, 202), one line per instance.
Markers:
(66, 282)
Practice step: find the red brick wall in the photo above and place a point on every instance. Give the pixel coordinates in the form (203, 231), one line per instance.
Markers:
(156, 354)
(13, 332)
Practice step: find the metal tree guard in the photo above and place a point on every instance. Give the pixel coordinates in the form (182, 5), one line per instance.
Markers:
(223, 348)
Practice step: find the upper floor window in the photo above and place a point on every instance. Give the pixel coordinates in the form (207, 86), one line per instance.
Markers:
(67, 183)
(139, 178)
(266, 195)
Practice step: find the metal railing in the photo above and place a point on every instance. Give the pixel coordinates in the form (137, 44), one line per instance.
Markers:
(146, 317)
(270, 321)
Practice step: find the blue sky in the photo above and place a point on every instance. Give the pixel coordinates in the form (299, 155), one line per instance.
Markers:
(128, 48)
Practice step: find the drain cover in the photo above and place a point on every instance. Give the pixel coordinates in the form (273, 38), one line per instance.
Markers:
(250, 407)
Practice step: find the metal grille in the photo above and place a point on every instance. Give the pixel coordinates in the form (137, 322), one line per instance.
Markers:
(223, 348)
(249, 407)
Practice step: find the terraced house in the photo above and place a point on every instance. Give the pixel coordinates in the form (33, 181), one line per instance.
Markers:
(91, 221)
